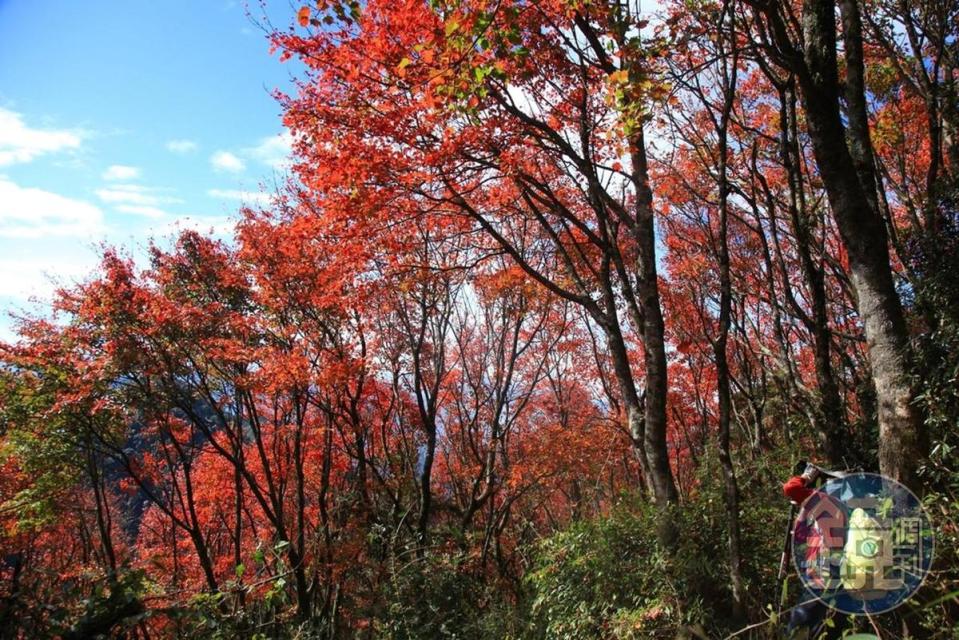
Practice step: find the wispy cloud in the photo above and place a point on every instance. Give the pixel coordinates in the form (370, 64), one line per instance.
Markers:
(250, 197)
(20, 143)
(134, 194)
(121, 172)
(273, 151)
(226, 161)
(181, 146)
(27, 212)
(22, 279)
(142, 210)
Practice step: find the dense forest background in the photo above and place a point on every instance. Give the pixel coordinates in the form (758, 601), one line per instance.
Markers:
(553, 300)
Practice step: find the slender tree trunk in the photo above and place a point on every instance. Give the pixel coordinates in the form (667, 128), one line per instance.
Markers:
(304, 595)
(238, 496)
(196, 531)
(831, 422)
(653, 329)
(304, 600)
(102, 511)
(426, 496)
(203, 557)
(651, 429)
(731, 488)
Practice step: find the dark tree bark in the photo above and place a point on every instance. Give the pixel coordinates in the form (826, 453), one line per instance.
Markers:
(425, 325)
(95, 474)
(844, 166)
(831, 421)
(728, 58)
(660, 475)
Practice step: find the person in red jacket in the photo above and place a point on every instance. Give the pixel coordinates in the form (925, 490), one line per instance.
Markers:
(819, 534)
(798, 488)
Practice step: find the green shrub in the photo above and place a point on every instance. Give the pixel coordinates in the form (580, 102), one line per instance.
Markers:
(609, 577)
(442, 595)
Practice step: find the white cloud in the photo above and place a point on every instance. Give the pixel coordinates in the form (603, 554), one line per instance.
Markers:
(26, 212)
(20, 143)
(121, 172)
(22, 278)
(251, 197)
(32, 269)
(142, 210)
(181, 146)
(226, 161)
(134, 194)
(273, 151)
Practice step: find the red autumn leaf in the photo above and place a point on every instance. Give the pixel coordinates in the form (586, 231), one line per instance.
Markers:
(303, 16)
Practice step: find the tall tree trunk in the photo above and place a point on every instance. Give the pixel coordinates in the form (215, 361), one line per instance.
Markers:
(196, 530)
(426, 496)
(852, 198)
(238, 496)
(831, 419)
(653, 329)
(651, 429)
(304, 595)
(632, 404)
(102, 511)
(731, 488)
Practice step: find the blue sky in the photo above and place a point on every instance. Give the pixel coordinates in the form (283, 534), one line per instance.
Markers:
(121, 121)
